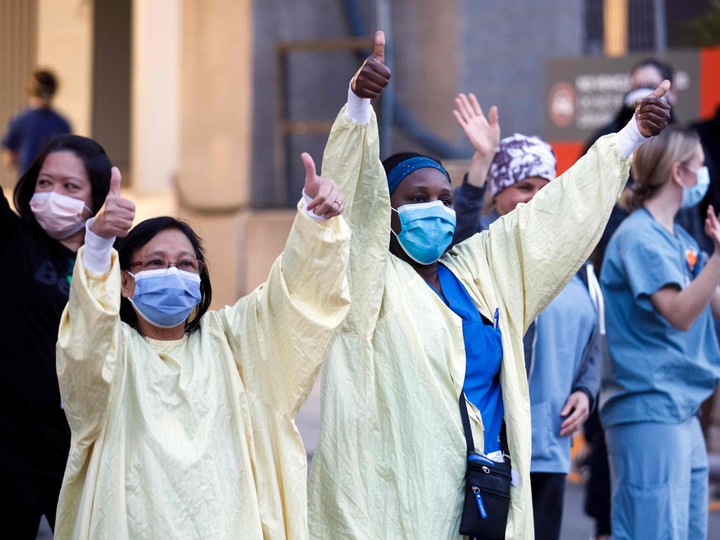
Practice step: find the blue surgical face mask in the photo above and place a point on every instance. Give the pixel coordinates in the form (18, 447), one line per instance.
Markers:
(165, 298)
(693, 195)
(426, 230)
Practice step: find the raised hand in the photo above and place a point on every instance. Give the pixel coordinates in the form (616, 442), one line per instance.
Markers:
(483, 133)
(116, 216)
(652, 113)
(712, 228)
(373, 76)
(327, 198)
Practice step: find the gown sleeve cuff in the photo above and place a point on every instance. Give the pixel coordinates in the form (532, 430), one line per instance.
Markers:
(97, 255)
(307, 199)
(629, 138)
(358, 109)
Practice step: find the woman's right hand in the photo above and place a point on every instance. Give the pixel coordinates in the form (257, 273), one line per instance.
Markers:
(712, 228)
(116, 216)
(373, 76)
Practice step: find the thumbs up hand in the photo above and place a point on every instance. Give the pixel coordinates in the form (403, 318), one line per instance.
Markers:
(373, 76)
(327, 198)
(652, 113)
(116, 216)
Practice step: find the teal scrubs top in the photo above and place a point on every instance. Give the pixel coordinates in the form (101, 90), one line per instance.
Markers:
(563, 332)
(656, 373)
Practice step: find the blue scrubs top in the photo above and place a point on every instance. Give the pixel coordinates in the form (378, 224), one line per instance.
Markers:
(29, 130)
(483, 352)
(657, 373)
(563, 332)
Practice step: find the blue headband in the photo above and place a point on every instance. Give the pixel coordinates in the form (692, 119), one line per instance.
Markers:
(398, 173)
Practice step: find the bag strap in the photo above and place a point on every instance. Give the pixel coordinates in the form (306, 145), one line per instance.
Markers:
(466, 425)
(468, 431)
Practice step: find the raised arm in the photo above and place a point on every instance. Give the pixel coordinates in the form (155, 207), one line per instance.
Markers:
(484, 135)
(7, 216)
(533, 251)
(89, 340)
(281, 332)
(352, 159)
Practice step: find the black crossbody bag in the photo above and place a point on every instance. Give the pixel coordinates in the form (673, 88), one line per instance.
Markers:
(487, 488)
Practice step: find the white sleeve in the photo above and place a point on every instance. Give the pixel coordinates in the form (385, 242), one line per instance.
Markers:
(97, 253)
(629, 138)
(307, 199)
(358, 109)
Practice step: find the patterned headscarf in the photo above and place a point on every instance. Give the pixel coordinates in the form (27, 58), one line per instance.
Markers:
(519, 157)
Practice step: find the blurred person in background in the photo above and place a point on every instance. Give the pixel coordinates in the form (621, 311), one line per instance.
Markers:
(31, 128)
(709, 132)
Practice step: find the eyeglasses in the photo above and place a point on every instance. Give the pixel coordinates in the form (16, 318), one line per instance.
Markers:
(194, 266)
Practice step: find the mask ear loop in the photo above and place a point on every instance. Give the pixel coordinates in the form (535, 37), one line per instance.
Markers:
(399, 221)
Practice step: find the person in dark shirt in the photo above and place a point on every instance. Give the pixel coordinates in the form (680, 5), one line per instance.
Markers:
(29, 129)
(64, 186)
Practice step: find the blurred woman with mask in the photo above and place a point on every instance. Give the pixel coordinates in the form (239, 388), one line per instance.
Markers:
(661, 297)
(429, 363)
(182, 418)
(65, 185)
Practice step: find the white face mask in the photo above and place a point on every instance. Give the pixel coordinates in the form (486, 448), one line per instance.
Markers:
(60, 216)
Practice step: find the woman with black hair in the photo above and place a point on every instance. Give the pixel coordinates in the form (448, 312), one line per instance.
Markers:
(182, 418)
(66, 184)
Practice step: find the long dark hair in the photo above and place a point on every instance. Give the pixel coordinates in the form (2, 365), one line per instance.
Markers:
(97, 166)
(140, 235)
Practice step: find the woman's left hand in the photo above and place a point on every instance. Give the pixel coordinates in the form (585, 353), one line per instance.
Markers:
(327, 198)
(652, 113)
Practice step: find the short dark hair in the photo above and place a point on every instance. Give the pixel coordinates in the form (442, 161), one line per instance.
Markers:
(140, 235)
(97, 166)
(42, 83)
(666, 71)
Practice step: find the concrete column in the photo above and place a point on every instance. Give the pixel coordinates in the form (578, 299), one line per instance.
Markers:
(65, 34)
(155, 102)
(18, 39)
(215, 133)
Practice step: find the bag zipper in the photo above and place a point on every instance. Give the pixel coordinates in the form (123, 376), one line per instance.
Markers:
(479, 501)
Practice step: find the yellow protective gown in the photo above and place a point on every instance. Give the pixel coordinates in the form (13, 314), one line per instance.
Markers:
(195, 438)
(391, 458)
